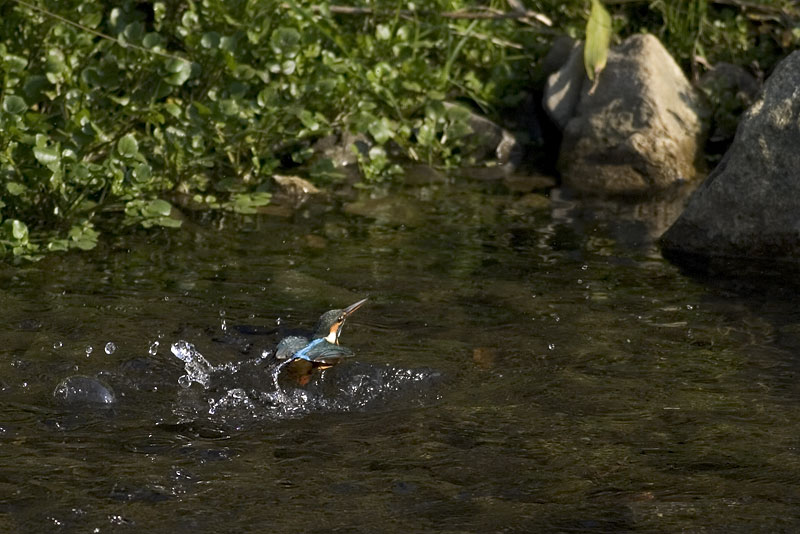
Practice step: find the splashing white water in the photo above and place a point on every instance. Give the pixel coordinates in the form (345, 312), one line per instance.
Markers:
(197, 367)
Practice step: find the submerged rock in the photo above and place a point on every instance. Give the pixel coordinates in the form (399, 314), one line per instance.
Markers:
(83, 390)
(748, 205)
(386, 210)
(639, 130)
(293, 190)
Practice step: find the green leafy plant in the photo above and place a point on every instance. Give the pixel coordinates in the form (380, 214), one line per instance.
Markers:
(116, 111)
(598, 38)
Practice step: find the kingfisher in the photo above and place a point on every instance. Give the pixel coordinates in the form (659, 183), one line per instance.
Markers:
(322, 350)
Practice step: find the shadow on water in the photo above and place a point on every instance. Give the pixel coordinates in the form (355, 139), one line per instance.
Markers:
(526, 363)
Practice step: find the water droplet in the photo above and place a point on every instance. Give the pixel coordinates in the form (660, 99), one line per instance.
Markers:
(89, 350)
(584, 267)
(184, 381)
(196, 366)
(153, 348)
(278, 321)
(110, 348)
(551, 346)
(57, 345)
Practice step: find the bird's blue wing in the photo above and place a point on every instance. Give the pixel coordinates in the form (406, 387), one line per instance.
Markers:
(324, 352)
(290, 346)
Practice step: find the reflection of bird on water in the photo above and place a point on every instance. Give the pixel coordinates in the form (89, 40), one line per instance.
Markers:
(305, 355)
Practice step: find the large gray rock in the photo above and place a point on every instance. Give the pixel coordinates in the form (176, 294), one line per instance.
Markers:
(564, 86)
(749, 206)
(732, 90)
(639, 130)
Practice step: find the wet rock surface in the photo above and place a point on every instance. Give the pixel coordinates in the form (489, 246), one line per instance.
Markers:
(639, 130)
(748, 206)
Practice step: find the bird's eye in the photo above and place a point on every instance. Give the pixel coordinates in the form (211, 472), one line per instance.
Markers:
(341, 318)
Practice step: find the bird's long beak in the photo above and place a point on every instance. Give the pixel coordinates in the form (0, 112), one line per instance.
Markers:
(353, 307)
(345, 314)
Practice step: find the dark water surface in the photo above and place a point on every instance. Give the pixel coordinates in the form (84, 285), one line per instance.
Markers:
(521, 366)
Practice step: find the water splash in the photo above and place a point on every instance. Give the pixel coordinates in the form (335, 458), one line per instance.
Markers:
(235, 399)
(197, 367)
(253, 388)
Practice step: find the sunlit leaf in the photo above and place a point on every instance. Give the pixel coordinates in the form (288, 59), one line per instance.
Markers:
(16, 188)
(46, 155)
(59, 245)
(598, 37)
(179, 71)
(383, 32)
(381, 130)
(158, 207)
(128, 146)
(16, 229)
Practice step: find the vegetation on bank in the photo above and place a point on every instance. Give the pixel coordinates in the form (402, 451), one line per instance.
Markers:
(109, 111)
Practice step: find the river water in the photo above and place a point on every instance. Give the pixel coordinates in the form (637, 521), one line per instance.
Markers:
(523, 364)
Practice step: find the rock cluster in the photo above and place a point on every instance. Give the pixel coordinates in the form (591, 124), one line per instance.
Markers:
(638, 130)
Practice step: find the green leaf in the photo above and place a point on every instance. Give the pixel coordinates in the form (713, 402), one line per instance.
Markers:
(210, 40)
(156, 208)
(382, 130)
(142, 173)
(16, 188)
(83, 236)
(46, 155)
(598, 37)
(16, 229)
(179, 71)
(14, 104)
(128, 146)
(383, 32)
(59, 245)
(15, 63)
(152, 40)
(246, 203)
(168, 222)
(285, 41)
(133, 32)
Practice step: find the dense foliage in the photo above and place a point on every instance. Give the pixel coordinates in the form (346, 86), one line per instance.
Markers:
(109, 111)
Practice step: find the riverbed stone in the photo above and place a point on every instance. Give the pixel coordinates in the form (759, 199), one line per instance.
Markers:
(489, 143)
(639, 130)
(748, 206)
(293, 190)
